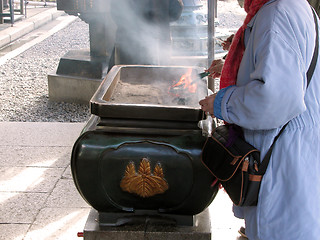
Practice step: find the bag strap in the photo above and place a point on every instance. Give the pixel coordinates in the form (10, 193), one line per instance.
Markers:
(265, 161)
(316, 50)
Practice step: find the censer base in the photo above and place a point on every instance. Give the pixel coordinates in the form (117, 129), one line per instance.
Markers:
(142, 216)
(143, 227)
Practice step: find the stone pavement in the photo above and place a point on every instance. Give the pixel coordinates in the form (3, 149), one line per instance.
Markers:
(38, 199)
(37, 16)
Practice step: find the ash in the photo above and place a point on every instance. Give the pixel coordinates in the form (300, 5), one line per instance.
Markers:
(136, 94)
(155, 94)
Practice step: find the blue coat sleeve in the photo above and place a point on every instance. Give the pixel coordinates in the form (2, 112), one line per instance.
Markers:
(274, 94)
(217, 103)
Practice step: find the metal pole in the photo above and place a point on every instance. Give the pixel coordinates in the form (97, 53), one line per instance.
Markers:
(1, 11)
(211, 32)
(216, 8)
(11, 4)
(21, 7)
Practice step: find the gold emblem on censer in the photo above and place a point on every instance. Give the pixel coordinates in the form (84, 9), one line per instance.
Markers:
(144, 183)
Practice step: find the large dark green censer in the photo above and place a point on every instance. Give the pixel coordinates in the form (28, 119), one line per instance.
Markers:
(140, 152)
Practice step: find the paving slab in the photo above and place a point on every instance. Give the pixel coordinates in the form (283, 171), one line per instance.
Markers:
(66, 195)
(67, 173)
(224, 225)
(58, 224)
(20, 208)
(13, 231)
(221, 213)
(35, 159)
(39, 134)
(34, 156)
(29, 179)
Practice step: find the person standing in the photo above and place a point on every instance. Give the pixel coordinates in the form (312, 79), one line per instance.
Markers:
(263, 86)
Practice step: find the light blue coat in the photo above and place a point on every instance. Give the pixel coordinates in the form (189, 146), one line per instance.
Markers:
(270, 91)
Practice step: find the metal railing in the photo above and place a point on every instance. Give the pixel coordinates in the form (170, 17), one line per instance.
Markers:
(5, 14)
(7, 8)
(11, 5)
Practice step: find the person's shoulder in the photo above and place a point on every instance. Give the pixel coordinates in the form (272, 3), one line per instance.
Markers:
(288, 9)
(277, 15)
(289, 22)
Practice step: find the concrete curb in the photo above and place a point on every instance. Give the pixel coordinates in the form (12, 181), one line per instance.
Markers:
(19, 29)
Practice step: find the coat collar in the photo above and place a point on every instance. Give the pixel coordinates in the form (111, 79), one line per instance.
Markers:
(250, 24)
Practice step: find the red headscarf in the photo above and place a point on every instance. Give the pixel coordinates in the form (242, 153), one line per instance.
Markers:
(234, 57)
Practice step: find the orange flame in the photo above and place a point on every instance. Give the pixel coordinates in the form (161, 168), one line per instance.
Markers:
(186, 82)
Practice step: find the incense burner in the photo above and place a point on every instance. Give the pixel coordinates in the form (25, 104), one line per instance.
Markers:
(143, 157)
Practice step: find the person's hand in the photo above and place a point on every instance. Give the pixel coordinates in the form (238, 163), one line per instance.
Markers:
(226, 44)
(207, 104)
(216, 68)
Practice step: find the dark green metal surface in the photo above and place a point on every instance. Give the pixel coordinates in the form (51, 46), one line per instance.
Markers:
(100, 157)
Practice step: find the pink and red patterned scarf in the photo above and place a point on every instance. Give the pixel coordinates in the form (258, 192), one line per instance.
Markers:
(234, 57)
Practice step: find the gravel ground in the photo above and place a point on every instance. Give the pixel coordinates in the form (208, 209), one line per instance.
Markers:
(23, 79)
(230, 15)
(24, 83)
